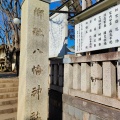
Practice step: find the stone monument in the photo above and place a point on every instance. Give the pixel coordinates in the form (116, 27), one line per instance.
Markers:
(33, 80)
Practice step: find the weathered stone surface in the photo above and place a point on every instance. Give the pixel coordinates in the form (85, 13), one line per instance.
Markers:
(75, 113)
(96, 58)
(118, 79)
(109, 79)
(96, 78)
(78, 114)
(86, 116)
(33, 82)
(71, 110)
(66, 116)
(94, 117)
(85, 77)
(73, 118)
(105, 110)
(68, 78)
(65, 108)
(76, 76)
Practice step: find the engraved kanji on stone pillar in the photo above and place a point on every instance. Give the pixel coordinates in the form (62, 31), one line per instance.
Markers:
(34, 67)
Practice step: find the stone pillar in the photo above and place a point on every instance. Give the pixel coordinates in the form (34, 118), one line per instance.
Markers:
(85, 77)
(55, 74)
(66, 116)
(68, 78)
(109, 79)
(61, 71)
(84, 4)
(118, 79)
(34, 76)
(76, 76)
(86, 116)
(96, 78)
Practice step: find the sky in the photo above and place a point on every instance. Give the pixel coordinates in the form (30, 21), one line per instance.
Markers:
(56, 3)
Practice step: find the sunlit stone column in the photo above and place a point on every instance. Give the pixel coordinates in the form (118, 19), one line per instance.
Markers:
(96, 78)
(34, 76)
(109, 79)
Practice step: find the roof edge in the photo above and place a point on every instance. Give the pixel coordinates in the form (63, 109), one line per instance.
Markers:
(60, 7)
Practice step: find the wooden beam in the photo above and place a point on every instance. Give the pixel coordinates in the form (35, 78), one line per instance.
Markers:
(59, 11)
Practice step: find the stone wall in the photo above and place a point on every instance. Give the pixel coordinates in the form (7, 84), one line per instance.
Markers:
(90, 86)
(75, 108)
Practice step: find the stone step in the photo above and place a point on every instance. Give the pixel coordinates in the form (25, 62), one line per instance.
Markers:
(12, 80)
(8, 95)
(8, 89)
(3, 85)
(9, 116)
(8, 109)
(8, 101)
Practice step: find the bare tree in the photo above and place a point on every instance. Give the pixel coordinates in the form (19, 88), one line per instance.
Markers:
(9, 32)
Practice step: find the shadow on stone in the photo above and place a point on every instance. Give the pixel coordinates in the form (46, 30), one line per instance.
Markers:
(56, 88)
(55, 105)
